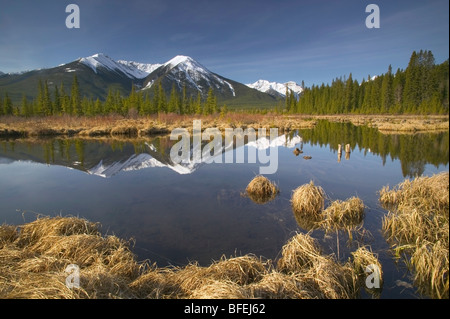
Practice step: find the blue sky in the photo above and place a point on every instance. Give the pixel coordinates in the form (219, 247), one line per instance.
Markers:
(246, 40)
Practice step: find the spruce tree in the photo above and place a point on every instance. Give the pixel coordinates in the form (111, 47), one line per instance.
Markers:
(198, 104)
(349, 95)
(40, 99)
(162, 104)
(7, 105)
(211, 102)
(75, 99)
(398, 84)
(184, 105)
(65, 100)
(173, 100)
(412, 89)
(109, 103)
(387, 91)
(98, 107)
(1, 106)
(24, 110)
(47, 102)
(56, 102)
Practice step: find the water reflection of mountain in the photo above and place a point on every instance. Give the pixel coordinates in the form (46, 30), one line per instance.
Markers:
(107, 158)
(413, 151)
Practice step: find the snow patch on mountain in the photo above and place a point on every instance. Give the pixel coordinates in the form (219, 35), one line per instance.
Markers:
(195, 72)
(143, 68)
(266, 87)
(131, 69)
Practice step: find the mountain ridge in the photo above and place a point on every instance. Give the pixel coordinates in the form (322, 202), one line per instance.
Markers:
(99, 73)
(275, 88)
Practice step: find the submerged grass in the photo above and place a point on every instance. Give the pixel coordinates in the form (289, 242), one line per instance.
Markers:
(417, 226)
(34, 258)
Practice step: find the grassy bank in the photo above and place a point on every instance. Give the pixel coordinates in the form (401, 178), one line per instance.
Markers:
(34, 257)
(115, 125)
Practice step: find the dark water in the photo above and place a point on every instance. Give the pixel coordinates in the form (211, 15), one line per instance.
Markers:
(187, 212)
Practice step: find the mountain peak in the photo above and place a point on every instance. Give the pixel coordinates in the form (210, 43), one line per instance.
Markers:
(179, 59)
(130, 69)
(275, 88)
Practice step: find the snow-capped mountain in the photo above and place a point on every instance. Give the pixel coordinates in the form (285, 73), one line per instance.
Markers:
(132, 70)
(97, 73)
(276, 89)
(184, 70)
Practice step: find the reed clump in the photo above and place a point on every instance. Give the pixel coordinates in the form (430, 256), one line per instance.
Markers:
(319, 274)
(417, 227)
(346, 214)
(308, 206)
(261, 190)
(366, 262)
(308, 200)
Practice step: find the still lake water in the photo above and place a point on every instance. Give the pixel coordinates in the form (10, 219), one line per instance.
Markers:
(196, 212)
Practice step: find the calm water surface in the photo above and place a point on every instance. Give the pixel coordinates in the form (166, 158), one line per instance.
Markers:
(196, 212)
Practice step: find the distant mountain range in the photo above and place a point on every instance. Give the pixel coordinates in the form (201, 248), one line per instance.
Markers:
(276, 89)
(99, 73)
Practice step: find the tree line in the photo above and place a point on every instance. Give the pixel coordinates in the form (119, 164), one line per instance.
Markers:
(423, 88)
(55, 101)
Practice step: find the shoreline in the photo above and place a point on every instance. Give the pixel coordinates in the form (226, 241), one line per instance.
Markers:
(115, 125)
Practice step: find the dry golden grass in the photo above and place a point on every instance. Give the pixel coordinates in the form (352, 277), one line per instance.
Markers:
(261, 190)
(34, 257)
(365, 262)
(299, 253)
(33, 264)
(277, 285)
(322, 276)
(308, 203)
(417, 226)
(111, 125)
(308, 200)
(347, 214)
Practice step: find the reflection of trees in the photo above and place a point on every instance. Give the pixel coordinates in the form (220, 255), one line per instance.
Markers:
(413, 151)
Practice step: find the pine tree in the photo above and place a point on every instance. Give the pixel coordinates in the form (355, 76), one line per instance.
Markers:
(173, 100)
(387, 91)
(109, 103)
(56, 109)
(65, 100)
(40, 99)
(184, 104)
(98, 107)
(349, 95)
(47, 102)
(397, 94)
(1, 106)
(287, 101)
(211, 102)
(7, 105)
(25, 109)
(146, 105)
(198, 104)
(162, 104)
(75, 99)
